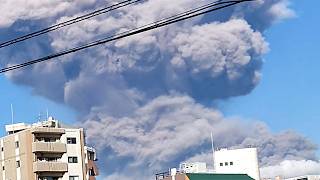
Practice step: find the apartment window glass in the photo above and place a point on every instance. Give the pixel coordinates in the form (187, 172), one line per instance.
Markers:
(221, 164)
(74, 178)
(73, 159)
(231, 163)
(18, 164)
(226, 163)
(2, 148)
(3, 168)
(91, 172)
(17, 144)
(71, 140)
(48, 178)
(91, 156)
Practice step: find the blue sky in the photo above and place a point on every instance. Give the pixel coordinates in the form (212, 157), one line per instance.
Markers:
(285, 99)
(27, 107)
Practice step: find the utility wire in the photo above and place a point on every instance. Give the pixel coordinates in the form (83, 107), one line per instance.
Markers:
(161, 23)
(69, 22)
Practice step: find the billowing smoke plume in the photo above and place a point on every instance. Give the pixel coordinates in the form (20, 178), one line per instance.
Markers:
(292, 168)
(212, 60)
(35, 10)
(172, 128)
(143, 97)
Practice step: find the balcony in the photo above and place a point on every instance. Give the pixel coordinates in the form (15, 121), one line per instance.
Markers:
(47, 166)
(46, 130)
(49, 147)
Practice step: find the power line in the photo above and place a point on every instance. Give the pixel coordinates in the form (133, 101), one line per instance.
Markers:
(69, 22)
(173, 19)
(161, 23)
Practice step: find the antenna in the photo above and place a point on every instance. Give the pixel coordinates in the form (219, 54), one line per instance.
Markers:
(212, 146)
(12, 118)
(12, 114)
(39, 116)
(47, 113)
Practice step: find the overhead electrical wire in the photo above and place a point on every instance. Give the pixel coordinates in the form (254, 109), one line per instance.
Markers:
(161, 23)
(69, 22)
(173, 19)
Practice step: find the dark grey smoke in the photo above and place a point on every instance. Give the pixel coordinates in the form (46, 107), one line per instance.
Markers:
(175, 128)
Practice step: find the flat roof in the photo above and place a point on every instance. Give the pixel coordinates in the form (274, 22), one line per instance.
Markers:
(207, 176)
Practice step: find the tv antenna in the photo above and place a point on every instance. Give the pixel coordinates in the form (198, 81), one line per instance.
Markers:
(12, 118)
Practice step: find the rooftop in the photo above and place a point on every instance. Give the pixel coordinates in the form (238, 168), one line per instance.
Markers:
(206, 176)
(50, 122)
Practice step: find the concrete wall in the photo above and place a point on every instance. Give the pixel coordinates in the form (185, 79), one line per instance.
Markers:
(74, 150)
(11, 154)
(238, 161)
(26, 155)
(309, 177)
(178, 177)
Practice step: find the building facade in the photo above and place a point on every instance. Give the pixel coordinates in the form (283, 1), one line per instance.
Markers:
(206, 176)
(306, 177)
(46, 151)
(196, 167)
(228, 164)
(235, 161)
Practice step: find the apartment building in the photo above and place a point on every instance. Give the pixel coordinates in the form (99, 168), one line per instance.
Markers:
(46, 151)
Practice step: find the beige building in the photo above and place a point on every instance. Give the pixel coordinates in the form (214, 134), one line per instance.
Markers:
(46, 151)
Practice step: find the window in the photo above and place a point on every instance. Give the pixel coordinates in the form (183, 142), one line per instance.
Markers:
(18, 164)
(17, 144)
(231, 163)
(48, 178)
(3, 168)
(221, 164)
(91, 156)
(52, 159)
(226, 163)
(74, 178)
(91, 172)
(71, 140)
(72, 160)
(2, 148)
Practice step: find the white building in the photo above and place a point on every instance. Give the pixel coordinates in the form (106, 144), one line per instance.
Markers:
(74, 141)
(306, 177)
(237, 161)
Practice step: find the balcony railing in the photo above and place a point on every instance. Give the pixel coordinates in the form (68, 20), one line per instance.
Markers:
(49, 147)
(47, 130)
(47, 166)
